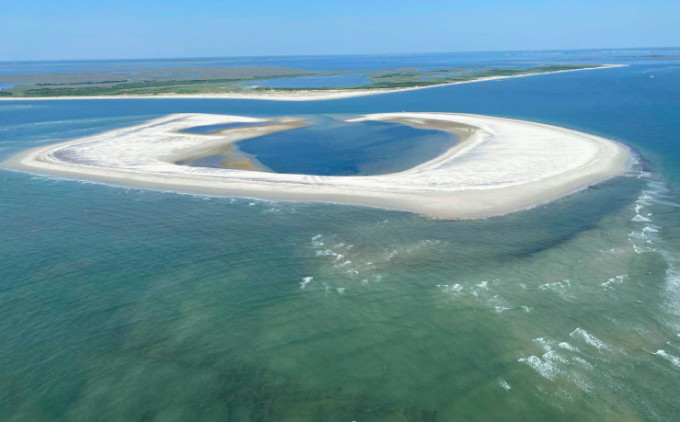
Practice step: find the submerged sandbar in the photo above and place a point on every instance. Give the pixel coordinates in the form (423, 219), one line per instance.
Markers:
(498, 166)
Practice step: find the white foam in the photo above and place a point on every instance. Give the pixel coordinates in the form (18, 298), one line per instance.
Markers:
(305, 282)
(504, 384)
(546, 344)
(391, 254)
(581, 382)
(614, 280)
(546, 369)
(641, 249)
(658, 194)
(560, 359)
(342, 264)
(640, 219)
(672, 359)
(566, 346)
(613, 251)
(553, 356)
(582, 362)
(557, 286)
(456, 288)
(638, 235)
(651, 228)
(590, 339)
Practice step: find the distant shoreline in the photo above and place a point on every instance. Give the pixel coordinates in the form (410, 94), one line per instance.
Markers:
(499, 165)
(296, 95)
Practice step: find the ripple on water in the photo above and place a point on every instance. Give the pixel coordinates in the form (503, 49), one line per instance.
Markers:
(674, 360)
(619, 279)
(344, 266)
(562, 361)
(589, 339)
(657, 199)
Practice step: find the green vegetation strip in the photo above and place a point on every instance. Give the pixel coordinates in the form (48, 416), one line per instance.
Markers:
(394, 79)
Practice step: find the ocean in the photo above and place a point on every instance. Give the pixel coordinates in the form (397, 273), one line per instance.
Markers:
(119, 303)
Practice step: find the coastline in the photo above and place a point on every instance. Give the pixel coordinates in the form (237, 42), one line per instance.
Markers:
(298, 95)
(502, 166)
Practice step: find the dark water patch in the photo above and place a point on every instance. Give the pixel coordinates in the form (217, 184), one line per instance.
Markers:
(333, 147)
(558, 222)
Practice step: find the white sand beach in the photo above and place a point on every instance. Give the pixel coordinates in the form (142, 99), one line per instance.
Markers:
(501, 166)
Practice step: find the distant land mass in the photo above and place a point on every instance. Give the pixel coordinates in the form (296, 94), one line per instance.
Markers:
(250, 81)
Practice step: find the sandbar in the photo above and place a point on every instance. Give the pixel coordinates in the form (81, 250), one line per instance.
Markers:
(498, 166)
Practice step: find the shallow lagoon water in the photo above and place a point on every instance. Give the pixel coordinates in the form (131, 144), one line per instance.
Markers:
(331, 146)
(126, 304)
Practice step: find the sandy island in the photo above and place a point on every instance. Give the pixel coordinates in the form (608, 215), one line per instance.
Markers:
(497, 167)
(298, 94)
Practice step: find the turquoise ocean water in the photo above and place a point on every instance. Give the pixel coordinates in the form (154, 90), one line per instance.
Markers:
(122, 304)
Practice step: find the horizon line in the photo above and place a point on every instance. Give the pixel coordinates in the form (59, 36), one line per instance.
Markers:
(186, 58)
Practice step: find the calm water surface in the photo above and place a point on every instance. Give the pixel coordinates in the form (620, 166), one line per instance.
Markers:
(331, 146)
(125, 304)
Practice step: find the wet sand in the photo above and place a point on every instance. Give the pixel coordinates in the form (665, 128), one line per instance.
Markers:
(223, 145)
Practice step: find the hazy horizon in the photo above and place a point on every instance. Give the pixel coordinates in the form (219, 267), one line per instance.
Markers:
(407, 53)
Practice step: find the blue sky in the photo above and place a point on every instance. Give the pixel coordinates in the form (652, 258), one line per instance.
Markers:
(56, 29)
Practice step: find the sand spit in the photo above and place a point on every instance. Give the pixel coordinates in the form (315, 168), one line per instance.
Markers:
(500, 165)
(296, 95)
